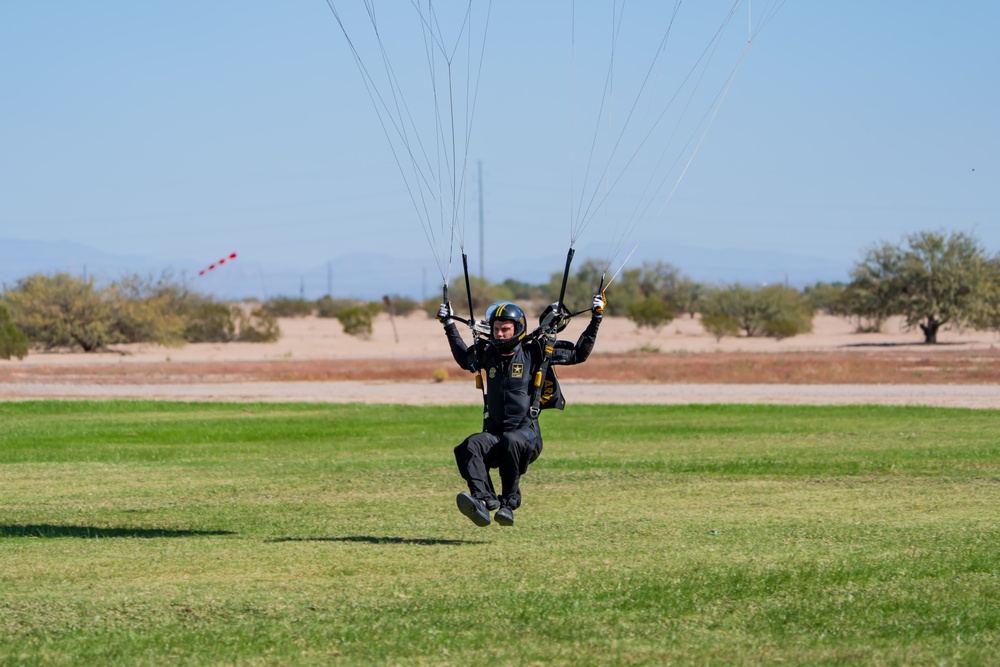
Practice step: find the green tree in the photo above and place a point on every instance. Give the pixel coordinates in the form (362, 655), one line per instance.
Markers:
(827, 297)
(13, 342)
(934, 281)
(986, 312)
(650, 312)
(484, 293)
(870, 296)
(689, 296)
(772, 311)
(61, 311)
(522, 291)
(653, 280)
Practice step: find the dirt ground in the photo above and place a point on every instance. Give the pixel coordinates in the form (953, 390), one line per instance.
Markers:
(406, 360)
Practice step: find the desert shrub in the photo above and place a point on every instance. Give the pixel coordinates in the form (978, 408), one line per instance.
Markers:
(430, 306)
(829, 298)
(789, 313)
(356, 320)
(720, 325)
(329, 307)
(283, 306)
(259, 326)
(61, 311)
(13, 342)
(401, 305)
(773, 311)
(650, 312)
(211, 322)
(145, 310)
(781, 328)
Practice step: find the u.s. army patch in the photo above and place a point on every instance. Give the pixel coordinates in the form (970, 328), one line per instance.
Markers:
(517, 370)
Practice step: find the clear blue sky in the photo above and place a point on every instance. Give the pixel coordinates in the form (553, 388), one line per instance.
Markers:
(187, 130)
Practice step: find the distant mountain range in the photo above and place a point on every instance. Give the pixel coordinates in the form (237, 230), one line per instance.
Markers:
(371, 275)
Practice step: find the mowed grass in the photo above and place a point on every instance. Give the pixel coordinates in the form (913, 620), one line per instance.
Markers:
(287, 534)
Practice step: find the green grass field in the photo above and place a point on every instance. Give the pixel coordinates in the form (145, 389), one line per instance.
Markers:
(287, 534)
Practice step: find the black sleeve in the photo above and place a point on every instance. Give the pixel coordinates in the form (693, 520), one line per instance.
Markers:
(464, 355)
(566, 354)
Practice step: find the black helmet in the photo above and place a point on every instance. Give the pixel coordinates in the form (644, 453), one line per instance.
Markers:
(507, 312)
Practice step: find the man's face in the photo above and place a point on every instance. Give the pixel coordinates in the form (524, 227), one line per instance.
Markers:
(502, 330)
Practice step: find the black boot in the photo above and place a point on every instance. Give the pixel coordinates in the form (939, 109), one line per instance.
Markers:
(504, 516)
(474, 509)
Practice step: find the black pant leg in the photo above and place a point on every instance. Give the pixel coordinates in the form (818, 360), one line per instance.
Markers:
(475, 456)
(517, 449)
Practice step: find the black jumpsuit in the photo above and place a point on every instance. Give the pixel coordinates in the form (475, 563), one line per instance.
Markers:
(510, 439)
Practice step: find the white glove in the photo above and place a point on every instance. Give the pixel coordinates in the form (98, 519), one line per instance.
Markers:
(598, 307)
(445, 313)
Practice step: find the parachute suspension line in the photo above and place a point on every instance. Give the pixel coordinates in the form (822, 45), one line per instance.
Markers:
(575, 231)
(648, 198)
(470, 109)
(584, 216)
(572, 158)
(701, 140)
(715, 108)
(433, 43)
(620, 266)
(386, 118)
(425, 179)
(615, 32)
(701, 63)
(765, 17)
(707, 121)
(716, 105)
(455, 170)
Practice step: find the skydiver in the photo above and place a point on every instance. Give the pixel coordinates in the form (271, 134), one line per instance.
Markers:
(510, 439)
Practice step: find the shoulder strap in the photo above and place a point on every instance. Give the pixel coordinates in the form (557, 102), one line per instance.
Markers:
(547, 343)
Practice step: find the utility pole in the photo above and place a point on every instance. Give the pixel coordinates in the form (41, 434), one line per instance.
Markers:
(482, 244)
(329, 279)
